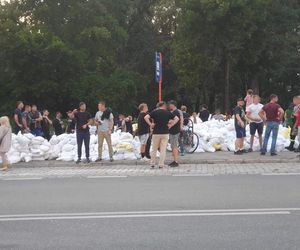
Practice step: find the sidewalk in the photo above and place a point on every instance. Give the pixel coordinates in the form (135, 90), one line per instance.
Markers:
(196, 158)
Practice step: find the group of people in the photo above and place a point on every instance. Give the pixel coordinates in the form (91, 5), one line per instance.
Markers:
(159, 127)
(258, 115)
(28, 119)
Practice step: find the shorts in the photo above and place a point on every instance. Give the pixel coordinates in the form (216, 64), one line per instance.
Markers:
(240, 132)
(259, 127)
(144, 138)
(174, 141)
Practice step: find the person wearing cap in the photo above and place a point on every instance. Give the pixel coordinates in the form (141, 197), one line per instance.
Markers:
(161, 121)
(175, 132)
(240, 126)
(82, 120)
(272, 113)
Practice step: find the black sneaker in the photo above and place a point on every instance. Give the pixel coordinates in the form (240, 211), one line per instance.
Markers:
(274, 154)
(239, 152)
(98, 160)
(87, 161)
(152, 167)
(171, 164)
(290, 148)
(263, 153)
(78, 161)
(174, 165)
(111, 160)
(250, 150)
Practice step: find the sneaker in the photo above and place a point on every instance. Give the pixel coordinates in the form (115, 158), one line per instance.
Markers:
(273, 154)
(78, 161)
(171, 164)
(250, 150)
(239, 152)
(263, 153)
(145, 159)
(98, 160)
(161, 167)
(87, 161)
(152, 167)
(290, 148)
(111, 160)
(174, 165)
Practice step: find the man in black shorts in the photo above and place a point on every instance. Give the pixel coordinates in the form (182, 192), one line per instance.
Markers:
(240, 126)
(256, 123)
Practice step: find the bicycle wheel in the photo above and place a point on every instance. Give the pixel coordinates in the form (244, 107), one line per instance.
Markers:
(191, 143)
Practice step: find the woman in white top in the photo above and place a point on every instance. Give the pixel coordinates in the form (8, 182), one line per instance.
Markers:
(5, 141)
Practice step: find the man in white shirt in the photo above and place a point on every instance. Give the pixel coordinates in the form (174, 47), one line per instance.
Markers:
(256, 123)
(105, 121)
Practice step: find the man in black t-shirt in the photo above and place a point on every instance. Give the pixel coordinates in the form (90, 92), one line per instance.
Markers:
(58, 124)
(143, 130)
(204, 113)
(162, 121)
(18, 117)
(175, 132)
(82, 121)
(240, 126)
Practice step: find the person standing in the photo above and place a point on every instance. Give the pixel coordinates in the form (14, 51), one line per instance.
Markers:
(26, 119)
(71, 123)
(174, 133)
(35, 121)
(256, 123)
(273, 114)
(162, 121)
(186, 121)
(204, 113)
(294, 128)
(46, 123)
(249, 97)
(105, 122)
(18, 117)
(240, 126)
(143, 130)
(82, 121)
(5, 141)
(297, 121)
(128, 124)
(58, 124)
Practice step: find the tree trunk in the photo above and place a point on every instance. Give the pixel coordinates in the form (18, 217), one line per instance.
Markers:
(227, 83)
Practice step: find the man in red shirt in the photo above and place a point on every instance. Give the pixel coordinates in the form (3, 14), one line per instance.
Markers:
(272, 113)
(297, 124)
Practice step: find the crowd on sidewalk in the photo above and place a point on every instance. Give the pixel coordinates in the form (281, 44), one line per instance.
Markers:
(157, 128)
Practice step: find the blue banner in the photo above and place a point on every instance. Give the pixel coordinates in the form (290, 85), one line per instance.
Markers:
(158, 67)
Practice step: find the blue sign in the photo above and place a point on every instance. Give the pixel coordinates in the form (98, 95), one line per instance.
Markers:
(158, 67)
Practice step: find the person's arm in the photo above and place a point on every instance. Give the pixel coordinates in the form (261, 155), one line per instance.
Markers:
(147, 119)
(181, 121)
(262, 114)
(173, 122)
(40, 118)
(281, 113)
(238, 117)
(47, 118)
(17, 120)
(24, 121)
(111, 123)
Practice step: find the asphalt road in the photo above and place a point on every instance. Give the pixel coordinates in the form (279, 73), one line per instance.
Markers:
(218, 212)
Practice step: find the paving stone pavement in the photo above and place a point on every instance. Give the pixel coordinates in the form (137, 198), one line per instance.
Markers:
(97, 171)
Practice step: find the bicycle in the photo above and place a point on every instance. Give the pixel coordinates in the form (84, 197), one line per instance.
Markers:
(188, 139)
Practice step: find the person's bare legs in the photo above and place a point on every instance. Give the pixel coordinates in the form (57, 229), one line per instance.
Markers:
(175, 154)
(4, 162)
(251, 141)
(260, 141)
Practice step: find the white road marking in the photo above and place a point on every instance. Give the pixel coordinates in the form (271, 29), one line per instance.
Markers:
(107, 176)
(148, 214)
(192, 175)
(21, 179)
(122, 216)
(278, 174)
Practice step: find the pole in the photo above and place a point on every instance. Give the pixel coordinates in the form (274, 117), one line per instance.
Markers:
(160, 91)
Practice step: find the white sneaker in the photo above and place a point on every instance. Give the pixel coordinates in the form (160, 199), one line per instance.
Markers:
(145, 159)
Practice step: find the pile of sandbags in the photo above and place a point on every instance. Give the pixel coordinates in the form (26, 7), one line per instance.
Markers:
(220, 135)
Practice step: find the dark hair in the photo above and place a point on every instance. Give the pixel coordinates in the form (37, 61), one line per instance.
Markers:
(273, 96)
(172, 102)
(204, 106)
(250, 91)
(160, 104)
(106, 114)
(102, 102)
